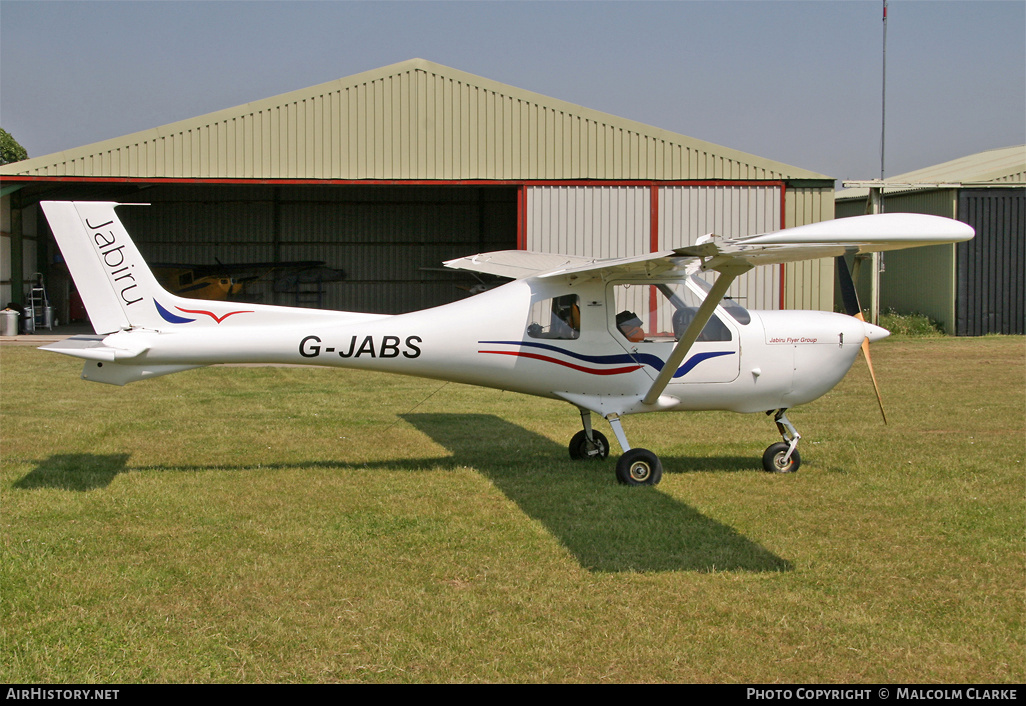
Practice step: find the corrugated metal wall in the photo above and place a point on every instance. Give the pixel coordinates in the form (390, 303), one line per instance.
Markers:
(5, 250)
(937, 202)
(919, 280)
(615, 221)
(592, 221)
(810, 283)
(376, 131)
(970, 289)
(391, 240)
(19, 238)
(687, 212)
(992, 266)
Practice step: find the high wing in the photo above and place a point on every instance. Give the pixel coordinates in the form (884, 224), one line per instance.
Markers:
(517, 264)
(731, 257)
(860, 234)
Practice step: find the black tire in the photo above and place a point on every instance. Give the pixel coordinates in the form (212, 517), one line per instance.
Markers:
(772, 460)
(639, 467)
(582, 449)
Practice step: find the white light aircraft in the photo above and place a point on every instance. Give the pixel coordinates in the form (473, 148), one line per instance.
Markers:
(610, 337)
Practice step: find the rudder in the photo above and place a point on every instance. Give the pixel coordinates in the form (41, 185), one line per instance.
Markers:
(113, 280)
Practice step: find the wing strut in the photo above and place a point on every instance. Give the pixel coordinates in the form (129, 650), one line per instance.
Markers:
(728, 273)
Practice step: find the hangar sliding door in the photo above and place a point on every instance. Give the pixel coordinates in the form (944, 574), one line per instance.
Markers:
(991, 268)
(688, 212)
(616, 221)
(591, 221)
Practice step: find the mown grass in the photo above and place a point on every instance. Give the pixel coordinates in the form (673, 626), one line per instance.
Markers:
(308, 525)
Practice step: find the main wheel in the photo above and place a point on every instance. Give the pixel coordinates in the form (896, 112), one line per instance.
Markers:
(773, 459)
(581, 448)
(639, 467)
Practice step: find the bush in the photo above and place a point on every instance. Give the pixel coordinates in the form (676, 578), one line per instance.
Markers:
(918, 325)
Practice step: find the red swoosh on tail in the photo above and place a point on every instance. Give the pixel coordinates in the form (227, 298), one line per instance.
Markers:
(211, 314)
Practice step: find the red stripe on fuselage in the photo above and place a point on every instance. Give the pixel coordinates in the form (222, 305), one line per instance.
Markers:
(547, 359)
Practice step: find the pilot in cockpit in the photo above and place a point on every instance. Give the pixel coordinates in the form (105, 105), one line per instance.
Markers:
(630, 326)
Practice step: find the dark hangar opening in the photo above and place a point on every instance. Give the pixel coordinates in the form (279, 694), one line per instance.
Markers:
(388, 242)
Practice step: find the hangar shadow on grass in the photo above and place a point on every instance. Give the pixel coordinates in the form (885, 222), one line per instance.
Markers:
(607, 526)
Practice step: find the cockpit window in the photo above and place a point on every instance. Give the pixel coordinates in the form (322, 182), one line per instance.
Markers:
(558, 318)
(736, 311)
(663, 312)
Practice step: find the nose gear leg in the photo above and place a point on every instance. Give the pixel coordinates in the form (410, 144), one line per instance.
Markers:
(787, 431)
(783, 457)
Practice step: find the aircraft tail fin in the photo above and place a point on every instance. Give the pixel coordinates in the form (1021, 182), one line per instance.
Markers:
(120, 292)
(116, 286)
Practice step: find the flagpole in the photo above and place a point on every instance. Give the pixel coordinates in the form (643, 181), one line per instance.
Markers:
(883, 98)
(878, 205)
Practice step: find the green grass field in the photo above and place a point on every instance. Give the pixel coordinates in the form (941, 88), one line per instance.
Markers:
(309, 525)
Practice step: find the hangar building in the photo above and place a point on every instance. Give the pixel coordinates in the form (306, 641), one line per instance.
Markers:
(385, 174)
(972, 288)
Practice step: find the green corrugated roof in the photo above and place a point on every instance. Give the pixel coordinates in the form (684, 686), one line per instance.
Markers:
(411, 120)
(1006, 165)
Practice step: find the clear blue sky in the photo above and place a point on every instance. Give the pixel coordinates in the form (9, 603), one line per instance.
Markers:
(798, 82)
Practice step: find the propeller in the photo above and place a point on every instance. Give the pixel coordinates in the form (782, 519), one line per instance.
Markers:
(850, 298)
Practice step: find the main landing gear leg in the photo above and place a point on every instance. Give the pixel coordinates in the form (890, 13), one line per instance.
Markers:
(588, 443)
(783, 457)
(636, 466)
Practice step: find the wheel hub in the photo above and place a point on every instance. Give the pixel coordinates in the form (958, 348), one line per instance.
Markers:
(640, 471)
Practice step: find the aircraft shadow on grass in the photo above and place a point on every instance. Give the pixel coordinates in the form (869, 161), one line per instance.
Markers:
(606, 526)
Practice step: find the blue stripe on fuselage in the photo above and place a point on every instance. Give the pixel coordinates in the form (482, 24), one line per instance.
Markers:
(642, 358)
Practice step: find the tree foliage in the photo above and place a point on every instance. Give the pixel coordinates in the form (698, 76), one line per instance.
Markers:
(10, 150)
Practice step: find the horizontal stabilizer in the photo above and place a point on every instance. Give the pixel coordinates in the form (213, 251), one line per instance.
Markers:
(115, 347)
(90, 347)
(101, 365)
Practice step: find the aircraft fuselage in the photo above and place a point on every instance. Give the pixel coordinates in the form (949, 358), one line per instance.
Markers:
(777, 359)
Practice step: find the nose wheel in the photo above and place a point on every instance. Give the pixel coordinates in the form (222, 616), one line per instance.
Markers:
(783, 457)
(777, 460)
